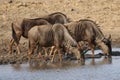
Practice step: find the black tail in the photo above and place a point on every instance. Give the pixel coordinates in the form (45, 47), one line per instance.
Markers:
(14, 35)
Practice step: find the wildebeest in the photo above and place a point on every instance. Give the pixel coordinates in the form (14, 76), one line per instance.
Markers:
(87, 30)
(21, 27)
(48, 35)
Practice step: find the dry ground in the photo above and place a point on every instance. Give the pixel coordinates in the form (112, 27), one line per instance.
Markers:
(105, 12)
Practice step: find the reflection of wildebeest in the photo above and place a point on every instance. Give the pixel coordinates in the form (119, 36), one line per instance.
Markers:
(87, 30)
(48, 35)
(21, 28)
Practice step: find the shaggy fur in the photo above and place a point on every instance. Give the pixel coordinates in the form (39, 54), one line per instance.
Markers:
(87, 30)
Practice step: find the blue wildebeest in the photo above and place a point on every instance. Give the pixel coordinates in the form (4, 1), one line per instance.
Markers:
(48, 35)
(21, 27)
(88, 30)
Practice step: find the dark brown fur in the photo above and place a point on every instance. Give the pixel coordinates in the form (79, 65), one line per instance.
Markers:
(87, 30)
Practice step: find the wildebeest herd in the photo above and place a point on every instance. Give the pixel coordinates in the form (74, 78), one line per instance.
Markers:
(62, 35)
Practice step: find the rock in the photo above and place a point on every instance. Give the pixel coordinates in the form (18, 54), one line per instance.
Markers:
(10, 1)
(72, 9)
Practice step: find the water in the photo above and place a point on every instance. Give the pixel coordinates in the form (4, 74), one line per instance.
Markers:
(94, 69)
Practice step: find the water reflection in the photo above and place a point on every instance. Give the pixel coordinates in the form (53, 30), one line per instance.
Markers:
(38, 65)
(16, 66)
(105, 60)
(35, 65)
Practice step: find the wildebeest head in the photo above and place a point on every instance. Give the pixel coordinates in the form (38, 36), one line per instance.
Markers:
(107, 41)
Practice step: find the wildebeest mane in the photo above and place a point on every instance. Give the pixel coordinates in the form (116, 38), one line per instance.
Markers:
(96, 30)
(89, 21)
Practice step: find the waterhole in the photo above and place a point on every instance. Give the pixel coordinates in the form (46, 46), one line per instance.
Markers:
(94, 69)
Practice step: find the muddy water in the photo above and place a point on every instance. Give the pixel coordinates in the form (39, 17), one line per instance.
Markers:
(94, 69)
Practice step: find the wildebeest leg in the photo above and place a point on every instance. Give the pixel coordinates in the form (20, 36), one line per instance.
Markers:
(51, 50)
(54, 53)
(18, 46)
(40, 56)
(45, 49)
(18, 49)
(92, 49)
(30, 50)
(60, 55)
(10, 45)
(29, 54)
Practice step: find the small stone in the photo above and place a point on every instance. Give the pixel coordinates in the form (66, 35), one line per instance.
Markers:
(72, 9)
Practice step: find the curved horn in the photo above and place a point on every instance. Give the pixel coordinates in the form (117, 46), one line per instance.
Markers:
(109, 37)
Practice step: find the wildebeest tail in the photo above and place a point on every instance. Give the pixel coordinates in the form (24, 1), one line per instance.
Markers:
(14, 35)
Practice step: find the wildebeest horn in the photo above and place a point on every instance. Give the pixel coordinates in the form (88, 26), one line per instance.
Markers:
(109, 37)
